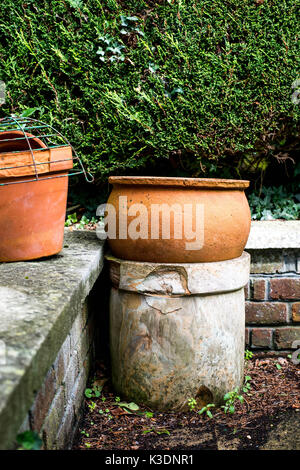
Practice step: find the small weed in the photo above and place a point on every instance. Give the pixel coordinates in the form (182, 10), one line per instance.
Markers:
(248, 355)
(192, 404)
(84, 433)
(106, 413)
(206, 409)
(247, 385)
(156, 431)
(92, 405)
(94, 392)
(29, 440)
(85, 221)
(230, 399)
(87, 445)
(278, 366)
(149, 414)
(71, 220)
(79, 225)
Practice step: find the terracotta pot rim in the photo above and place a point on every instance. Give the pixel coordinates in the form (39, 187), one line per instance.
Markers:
(17, 162)
(20, 133)
(213, 183)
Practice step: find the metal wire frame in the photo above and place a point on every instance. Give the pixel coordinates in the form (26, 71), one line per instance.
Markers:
(13, 123)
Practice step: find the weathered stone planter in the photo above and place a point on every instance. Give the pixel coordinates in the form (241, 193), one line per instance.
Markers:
(177, 330)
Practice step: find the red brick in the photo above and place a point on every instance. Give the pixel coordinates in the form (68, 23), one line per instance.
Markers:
(247, 337)
(285, 288)
(266, 312)
(296, 312)
(284, 337)
(262, 338)
(259, 289)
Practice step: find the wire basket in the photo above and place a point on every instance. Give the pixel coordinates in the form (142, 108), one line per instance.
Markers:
(31, 150)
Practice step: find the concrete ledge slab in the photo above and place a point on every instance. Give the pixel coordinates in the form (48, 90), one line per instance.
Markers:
(268, 234)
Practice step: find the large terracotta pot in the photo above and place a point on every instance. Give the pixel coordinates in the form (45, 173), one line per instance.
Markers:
(217, 208)
(32, 212)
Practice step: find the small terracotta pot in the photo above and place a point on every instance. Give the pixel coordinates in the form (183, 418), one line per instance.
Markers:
(32, 213)
(16, 157)
(221, 225)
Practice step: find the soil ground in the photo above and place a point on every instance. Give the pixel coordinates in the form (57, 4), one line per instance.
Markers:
(268, 418)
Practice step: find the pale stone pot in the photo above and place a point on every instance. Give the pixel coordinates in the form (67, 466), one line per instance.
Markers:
(177, 330)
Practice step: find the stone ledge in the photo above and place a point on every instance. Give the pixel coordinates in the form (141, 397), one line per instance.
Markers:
(39, 300)
(269, 234)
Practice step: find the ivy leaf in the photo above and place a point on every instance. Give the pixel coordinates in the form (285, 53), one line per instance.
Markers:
(123, 21)
(132, 406)
(132, 18)
(88, 392)
(153, 67)
(75, 3)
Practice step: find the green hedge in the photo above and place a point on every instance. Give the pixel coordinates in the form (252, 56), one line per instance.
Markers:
(198, 88)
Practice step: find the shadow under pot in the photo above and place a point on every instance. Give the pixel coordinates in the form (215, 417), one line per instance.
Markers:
(33, 196)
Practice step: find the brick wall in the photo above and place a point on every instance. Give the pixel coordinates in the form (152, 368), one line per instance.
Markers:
(56, 409)
(273, 300)
(57, 406)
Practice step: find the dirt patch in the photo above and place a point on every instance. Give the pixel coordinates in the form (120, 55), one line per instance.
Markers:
(268, 418)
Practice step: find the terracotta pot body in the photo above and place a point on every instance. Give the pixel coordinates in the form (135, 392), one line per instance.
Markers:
(217, 211)
(32, 212)
(32, 218)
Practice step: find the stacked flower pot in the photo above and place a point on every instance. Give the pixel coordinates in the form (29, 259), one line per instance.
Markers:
(177, 309)
(33, 190)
